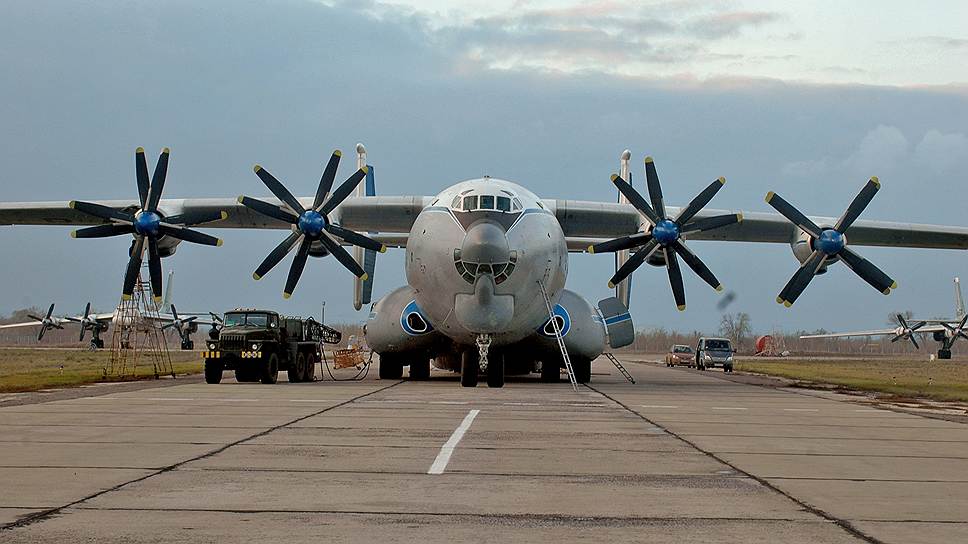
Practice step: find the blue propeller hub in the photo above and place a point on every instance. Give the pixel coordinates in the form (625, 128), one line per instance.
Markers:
(312, 223)
(147, 223)
(665, 232)
(830, 241)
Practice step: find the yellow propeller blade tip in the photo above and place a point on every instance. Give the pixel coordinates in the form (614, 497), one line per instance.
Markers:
(681, 308)
(365, 169)
(614, 177)
(140, 150)
(894, 285)
(286, 295)
(224, 215)
(770, 195)
(887, 291)
(779, 300)
(256, 277)
(73, 234)
(611, 285)
(166, 151)
(876, 181)
(383, 249)
(72, 204)
(218, 243)
(719, 287)
(787, 303)
(338, 153)
(125, 297)
(739, 217)
(365, 276)
(156, 299)
(722, 180)
(648, 160)
(256, 169)
(591, 249)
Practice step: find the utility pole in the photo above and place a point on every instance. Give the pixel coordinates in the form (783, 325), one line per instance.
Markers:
(322, 315)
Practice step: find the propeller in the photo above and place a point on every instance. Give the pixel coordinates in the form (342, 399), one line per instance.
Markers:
(905, 331)
(828, 243)
(47, 322)
(665, 234)
(147, 225)
(957, 331)
(179, 323)
(312, 225)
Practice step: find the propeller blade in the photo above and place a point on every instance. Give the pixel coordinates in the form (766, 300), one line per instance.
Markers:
(50, 311)
(633, 262)
(99, 211)
(710, 223)
(355, 238)
(80, 337)
(141, 167)
(278, 189)
(792, 290)
(675, 278)
(154, 269)
(858, 205)
(655, 190)
(197, 217)
(343, 257)
(326, 182)
(189, 235)
(174, 312)
(270, 210)
(700, 201)
(902, 321)
(913, 341)
(618, 244)
(40, 335)
(635, 199)
(276, 255)
(32, 316)
(87, 310)
(697, 266)
(867, 271)
(158, 181)
(103, 231)
(787, 210)
(134, 265)
(189, 319)
(343, 191)
(296, 269)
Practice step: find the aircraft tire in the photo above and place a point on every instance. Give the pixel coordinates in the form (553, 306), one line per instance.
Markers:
(583, 370)
(297, 372)
(213, 372)
(495, 371)
(550, 372)
(390, 367)
(944, 354)
(469, 368)
(420, 369)
(270, 370)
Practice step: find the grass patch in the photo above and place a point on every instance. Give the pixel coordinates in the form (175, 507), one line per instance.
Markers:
(939, 380)
(33, 369)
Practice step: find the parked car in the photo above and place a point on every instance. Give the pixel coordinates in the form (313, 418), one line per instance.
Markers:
(680, 355)
(713, 352)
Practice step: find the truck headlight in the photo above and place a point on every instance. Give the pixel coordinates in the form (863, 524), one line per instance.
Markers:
(212, 346)
(255, 347)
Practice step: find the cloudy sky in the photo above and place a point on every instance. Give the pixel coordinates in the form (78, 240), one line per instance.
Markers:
(808, 100)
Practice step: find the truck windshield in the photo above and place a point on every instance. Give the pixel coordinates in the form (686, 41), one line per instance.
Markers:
(718, 345)
(252, 320)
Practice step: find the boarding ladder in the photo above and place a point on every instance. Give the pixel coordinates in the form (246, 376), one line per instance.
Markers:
(561, 341)
(619, 366)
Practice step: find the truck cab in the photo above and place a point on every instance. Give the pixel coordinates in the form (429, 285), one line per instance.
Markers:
(713, 352)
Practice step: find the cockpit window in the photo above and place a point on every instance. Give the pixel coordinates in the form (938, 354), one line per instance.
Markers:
(470, 203)
(456, 203)
(504, 203)
(517, 204)
(487, 202)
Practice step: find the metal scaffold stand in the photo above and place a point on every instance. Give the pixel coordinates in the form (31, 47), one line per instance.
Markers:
(138, 340)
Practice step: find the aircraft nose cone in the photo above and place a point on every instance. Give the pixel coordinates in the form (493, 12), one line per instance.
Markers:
(485, 243)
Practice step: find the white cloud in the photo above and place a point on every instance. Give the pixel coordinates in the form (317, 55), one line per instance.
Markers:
(942, 152)
(879, 151)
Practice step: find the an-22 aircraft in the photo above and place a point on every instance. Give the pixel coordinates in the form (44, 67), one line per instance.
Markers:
(486, 259)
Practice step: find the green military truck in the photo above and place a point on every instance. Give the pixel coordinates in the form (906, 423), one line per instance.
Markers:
(258, 344)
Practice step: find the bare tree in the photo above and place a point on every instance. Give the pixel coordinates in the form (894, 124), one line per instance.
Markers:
(737, 327)
(892, 317)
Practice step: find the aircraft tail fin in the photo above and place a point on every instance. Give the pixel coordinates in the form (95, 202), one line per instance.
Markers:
(959, 301)
(623, 291)
(166, 303)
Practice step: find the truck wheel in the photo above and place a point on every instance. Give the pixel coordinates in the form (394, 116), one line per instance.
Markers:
(270, 369)
(583, 370)
(420, 370)
(213, 371)
(495, 371)
(310, 368)
(550, 372)
(469, 368)
(390, 367)
(297, 371)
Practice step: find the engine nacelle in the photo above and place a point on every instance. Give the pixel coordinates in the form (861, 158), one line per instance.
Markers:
(397, 325)
(166, 246)
(802, 247)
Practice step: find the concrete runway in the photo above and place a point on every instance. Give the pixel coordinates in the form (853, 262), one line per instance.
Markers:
(679, 457)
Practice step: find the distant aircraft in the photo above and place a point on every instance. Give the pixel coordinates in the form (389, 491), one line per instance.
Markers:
(486, 259)
(99, 323)
(944, 331)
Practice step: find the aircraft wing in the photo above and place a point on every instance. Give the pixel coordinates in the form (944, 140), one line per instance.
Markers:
(875, 332)
(585, 223)
(18, 325)
(385, 214)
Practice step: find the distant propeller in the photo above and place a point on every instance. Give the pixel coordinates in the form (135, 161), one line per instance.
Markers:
(147, 225)
(958, 331)
(47, 322)
(179, 323)
(665, 234)
(905, 331)
(828, 243)
(312, 225)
